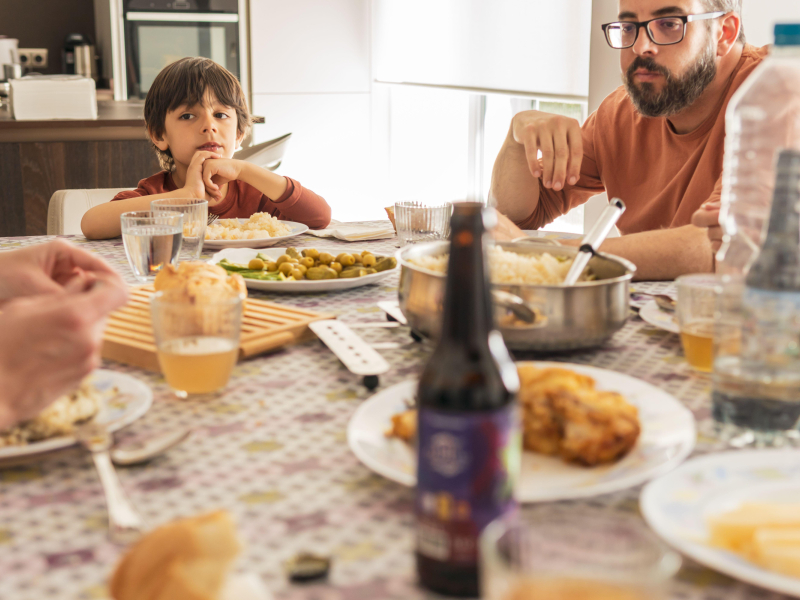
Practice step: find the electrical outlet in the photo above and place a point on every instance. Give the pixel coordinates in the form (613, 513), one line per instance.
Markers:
(33, 58)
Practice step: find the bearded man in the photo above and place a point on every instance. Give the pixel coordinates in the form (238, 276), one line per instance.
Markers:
(656, 142)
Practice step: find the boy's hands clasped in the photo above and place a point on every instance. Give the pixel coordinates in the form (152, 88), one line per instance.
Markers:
(208, 173)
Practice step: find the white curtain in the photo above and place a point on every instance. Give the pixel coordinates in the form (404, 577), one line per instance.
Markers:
(531, 46)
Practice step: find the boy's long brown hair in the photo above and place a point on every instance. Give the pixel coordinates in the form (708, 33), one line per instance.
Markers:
(187, 82)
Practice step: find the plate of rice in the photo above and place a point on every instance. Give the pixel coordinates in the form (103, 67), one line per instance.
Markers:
(105, 397)
(261, 230)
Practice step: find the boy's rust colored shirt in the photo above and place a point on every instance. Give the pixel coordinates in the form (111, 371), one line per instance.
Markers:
(242, 200)
(662, 176)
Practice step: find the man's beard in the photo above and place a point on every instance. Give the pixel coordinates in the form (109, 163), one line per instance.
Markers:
(678, 93)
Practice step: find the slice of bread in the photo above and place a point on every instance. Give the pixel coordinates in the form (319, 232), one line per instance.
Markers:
(187, 559)
(199, 281)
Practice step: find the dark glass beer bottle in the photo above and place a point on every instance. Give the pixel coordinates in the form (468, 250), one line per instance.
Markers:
(469, 443)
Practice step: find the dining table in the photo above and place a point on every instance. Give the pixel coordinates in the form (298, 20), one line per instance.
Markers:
(272, 450)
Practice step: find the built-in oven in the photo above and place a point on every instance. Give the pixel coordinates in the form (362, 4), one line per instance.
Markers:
(159, 32)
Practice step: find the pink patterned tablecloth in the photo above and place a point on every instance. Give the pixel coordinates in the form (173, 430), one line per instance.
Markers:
(273, 451)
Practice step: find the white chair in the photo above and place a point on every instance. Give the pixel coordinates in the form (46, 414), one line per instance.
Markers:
(268, 155)
(67, 207)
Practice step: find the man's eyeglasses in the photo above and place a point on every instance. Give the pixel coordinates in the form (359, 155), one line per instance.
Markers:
(664, 31)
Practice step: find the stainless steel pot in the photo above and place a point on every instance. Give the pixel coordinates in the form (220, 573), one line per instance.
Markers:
(568, 318)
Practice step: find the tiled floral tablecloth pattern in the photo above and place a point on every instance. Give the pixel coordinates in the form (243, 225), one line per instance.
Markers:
(273, 451)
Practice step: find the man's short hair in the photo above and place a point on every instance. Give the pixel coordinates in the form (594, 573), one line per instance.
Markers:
(187, 82)
(727, 6)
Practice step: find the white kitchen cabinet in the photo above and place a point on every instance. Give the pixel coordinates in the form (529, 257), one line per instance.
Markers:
(310, 46)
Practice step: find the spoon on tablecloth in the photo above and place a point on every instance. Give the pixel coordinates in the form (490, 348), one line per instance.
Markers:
(134, 454)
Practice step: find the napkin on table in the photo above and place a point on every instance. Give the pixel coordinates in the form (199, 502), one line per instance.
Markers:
(352, 232)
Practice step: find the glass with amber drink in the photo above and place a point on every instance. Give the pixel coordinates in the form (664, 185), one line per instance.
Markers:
(568, 556)
(697, 298)
(197, 342)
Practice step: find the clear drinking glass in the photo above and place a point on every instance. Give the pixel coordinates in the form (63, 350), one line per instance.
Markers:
(151, 241)
(195, 217)
(197, 343)
(567, 556)
(697, 300)
(420, 222)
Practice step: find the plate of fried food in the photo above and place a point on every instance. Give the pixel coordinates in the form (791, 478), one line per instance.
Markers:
(306, 270)
(261, 230)
(104, 396)
(586, 431)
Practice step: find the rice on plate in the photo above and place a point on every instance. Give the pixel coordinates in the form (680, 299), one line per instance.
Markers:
(258, 226)
(510, 267)
(57, 419)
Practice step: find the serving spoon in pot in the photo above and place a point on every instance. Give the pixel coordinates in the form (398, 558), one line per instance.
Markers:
(596, 236)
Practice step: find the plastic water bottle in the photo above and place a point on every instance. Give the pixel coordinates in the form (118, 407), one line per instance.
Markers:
(757, 384)
(763, 116)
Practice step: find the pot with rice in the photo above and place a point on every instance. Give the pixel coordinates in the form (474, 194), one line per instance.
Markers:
(525, 276)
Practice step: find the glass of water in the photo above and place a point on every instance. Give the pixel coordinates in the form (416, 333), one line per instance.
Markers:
(195, 217)
(151, 241)
(421, 222)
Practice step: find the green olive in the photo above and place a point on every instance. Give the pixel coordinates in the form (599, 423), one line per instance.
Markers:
(346, 259)
(368, 260)
(350, 273)
(371, 271)
(272, 266)
(326, 258)
(308, 262)
(256, 264)
(311, 253)
(336, 266)
(384, 264)
(283, 258)
(301, 268)
(286, 268)
(297, 274)
(321, 273)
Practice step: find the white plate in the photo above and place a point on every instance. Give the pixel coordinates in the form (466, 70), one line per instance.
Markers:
(130, 401)
(676, 505)
(667, 438)
(656, 317)
(297, 229)
(242, 256)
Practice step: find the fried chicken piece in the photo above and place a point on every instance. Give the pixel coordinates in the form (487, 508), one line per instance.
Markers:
(564, 415)
(404, 425)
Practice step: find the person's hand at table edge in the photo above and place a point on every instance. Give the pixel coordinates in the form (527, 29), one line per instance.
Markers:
(48, 268)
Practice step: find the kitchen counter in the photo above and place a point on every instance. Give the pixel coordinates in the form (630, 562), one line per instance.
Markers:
(115, 121)
(38, 158)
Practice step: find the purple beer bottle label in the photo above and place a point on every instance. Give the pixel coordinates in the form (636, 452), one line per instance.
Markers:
(468, 465)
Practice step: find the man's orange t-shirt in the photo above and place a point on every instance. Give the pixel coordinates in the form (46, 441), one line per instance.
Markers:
(662, 176)
(297, 204)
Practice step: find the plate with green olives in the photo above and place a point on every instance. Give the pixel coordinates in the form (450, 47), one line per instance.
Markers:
(305, 270)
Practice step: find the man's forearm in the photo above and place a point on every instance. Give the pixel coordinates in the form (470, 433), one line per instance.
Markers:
(664, 254)
(514, 188)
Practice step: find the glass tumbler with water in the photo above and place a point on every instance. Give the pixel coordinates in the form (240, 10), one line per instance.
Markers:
(550, 555)
(421, 222)
(195, 218)
(151, 241)
(197, 342)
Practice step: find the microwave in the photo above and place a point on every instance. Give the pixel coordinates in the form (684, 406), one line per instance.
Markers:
(155, 33)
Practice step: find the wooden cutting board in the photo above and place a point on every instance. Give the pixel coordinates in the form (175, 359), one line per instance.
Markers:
(128, 337)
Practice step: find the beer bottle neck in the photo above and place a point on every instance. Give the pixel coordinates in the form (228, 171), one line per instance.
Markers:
(468, 316)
